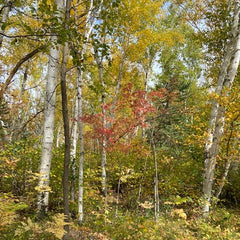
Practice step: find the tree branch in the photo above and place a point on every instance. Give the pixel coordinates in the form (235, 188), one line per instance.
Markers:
(17, 66)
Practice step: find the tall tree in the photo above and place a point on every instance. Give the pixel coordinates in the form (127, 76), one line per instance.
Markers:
(49, 115)
(67, 146)
(227, 73)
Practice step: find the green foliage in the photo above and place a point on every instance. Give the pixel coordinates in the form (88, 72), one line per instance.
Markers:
(169, 226)
(19, 161)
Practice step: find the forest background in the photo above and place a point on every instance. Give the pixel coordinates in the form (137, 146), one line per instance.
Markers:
(119, 119)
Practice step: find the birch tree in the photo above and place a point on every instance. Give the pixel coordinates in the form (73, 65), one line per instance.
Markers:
(6, 9)
(48, 127)
(227, 73)
(90, 21)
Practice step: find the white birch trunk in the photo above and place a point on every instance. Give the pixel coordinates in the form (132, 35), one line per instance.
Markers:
(87, 33)
(48, 127)
(74, 150)
(226, 170)
(6, 10)
(104, 139)
(226, 77)
(99, 62)
(3, 132)
(81, 143)
(104, 125)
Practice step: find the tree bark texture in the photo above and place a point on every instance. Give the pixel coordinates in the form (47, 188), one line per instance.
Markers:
(48, 126)
(81, 143)
(226, 77)
(6, 10)
(87, 32)
(73, 152)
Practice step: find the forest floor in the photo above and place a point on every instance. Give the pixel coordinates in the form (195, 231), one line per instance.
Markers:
(19, 222)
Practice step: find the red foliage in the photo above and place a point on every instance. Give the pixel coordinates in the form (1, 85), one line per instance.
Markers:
(123, 117)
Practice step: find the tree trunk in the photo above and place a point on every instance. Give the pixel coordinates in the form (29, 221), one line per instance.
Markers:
(99, 62)
(81, 143)
(66, 138)
(67, 146)
(104, 151)
(156, 194)
(74, 150)
(49, 114)
(118, 193)
(226, 77)
(230, 159)
(87, 33)
(6, 10)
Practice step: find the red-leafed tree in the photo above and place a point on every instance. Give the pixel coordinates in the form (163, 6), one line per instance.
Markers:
(132, 111)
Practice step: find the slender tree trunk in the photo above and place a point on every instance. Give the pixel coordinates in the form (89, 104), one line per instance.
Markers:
(99, 61)
(104, 125)
(156, 194)
(104, 140)
(226, 77)
(6, 10)
(81, 143)
(104, 151)
(118, 193)
(224, 177)
(22, 114)
(67, 147)
(66, 138)
(3, 132)
(230, 159)
(87, 33)
(48, 134)
(25, 77)
(74, 150)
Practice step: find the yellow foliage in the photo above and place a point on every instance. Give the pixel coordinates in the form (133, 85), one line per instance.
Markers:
(55, 227)
(8, 207)
(180, 213)
(146, 205)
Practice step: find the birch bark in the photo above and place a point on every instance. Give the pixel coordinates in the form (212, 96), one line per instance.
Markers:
(73, 152)
(87, 33)
(104, 125)
(48, 126)
(81, 143)
(226, 77)
(6, 10)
